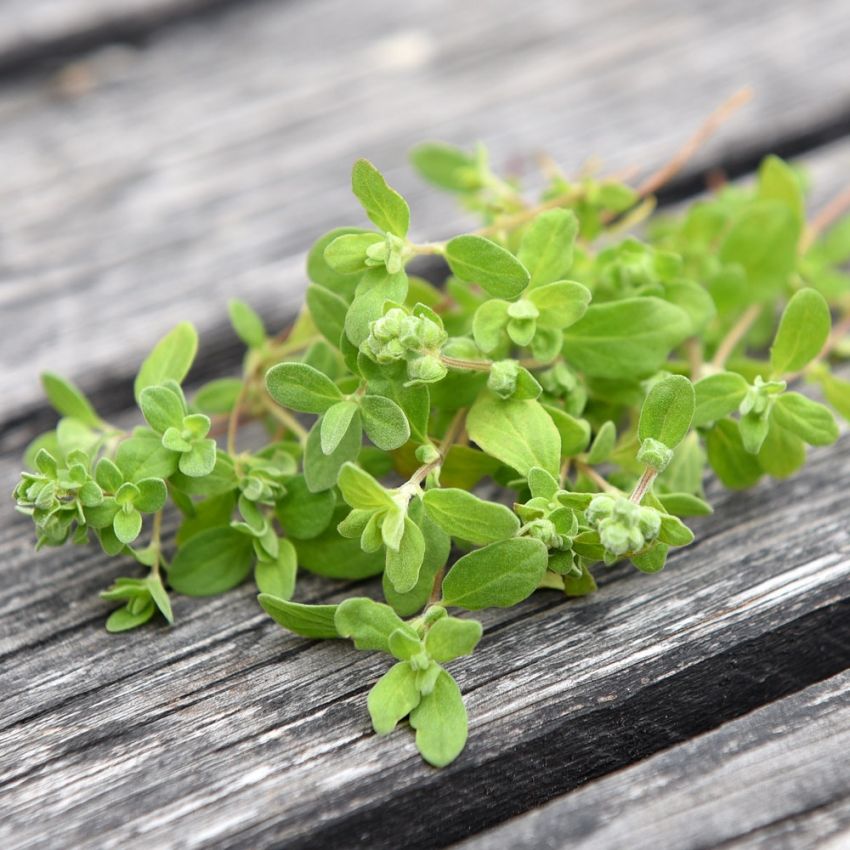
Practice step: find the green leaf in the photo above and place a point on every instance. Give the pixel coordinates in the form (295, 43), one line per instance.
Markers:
(547, 246)
(583, 585)
(347, 253)
(152, 495)
(319, 272)
(127, 525)
(384, 206)
(218, 396)
(310, 621)
(735, 467)
(160, 597)
(451, 637)
(466, 517)
(684, 504)
(301, 387)
(809, 420)
(361, 490)
(123, 619)
(415, 401)
(211, 562)
(162, 408)
(718, 396)
(368, 623)
(440, 722)
(561, 304)
(763, 240)
(303, 514)
(837, 392)
(170, 359)
(674, 532)
(447, 167)
(574, 433)
(384, 422)
(519, 433)
(321, 470)
(603, 443)
(393, 697)
(652, 560)
(497, 576)
(277, 577)
(782, 453)
(329, 554)
(377, 286)
(199, 460)
(220, 479)
(803, 331)
(625, 339)
(479, 260)
(68, 400)
(247, 324)
(488, 324)
(778, 182)
(403, 566)
(143, 456)
(667, 412)
(328, 312)
(335, 424)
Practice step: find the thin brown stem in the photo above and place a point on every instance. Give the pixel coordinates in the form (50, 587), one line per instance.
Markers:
(285, 418)
(736, 333)
(156, 537)
(471, 365)
(835, 208)
(711, 124)
(588, 471)
(643, 485)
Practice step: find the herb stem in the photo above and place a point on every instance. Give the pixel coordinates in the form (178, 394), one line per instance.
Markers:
(156, 542)
(711, 124)
(285, 418)
(649, 475)
(736, 333)
(595, 477)
(471, 365)
(838, 205)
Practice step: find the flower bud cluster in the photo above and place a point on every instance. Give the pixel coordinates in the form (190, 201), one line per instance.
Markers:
(56, 495)
(398, 335)
(623, 526)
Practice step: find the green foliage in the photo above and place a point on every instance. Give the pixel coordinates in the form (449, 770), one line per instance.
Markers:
(582, 390)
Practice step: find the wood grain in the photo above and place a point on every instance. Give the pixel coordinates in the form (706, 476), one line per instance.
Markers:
(203, 165)
(224, 730)
(776, 778)
(37, 34)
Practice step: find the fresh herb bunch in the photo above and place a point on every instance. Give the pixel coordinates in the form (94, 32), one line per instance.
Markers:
(578, 379)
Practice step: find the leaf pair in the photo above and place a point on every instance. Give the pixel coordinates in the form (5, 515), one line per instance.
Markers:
(416, 685)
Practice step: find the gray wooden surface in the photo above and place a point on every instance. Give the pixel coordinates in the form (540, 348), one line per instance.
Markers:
(150, 183)
(782, 771)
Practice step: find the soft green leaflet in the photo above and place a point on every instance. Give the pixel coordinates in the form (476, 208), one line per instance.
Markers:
(312, 621)
(667, 413)
(554, 408)
(480, 260)
(384, 206)
(803, 330)
(496, 576)
(466, 517)
(519, 433)
(170, 359)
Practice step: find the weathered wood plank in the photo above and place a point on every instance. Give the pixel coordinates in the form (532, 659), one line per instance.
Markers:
(39, 32)
(776, 778)
(205, 164)
(226, 730)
